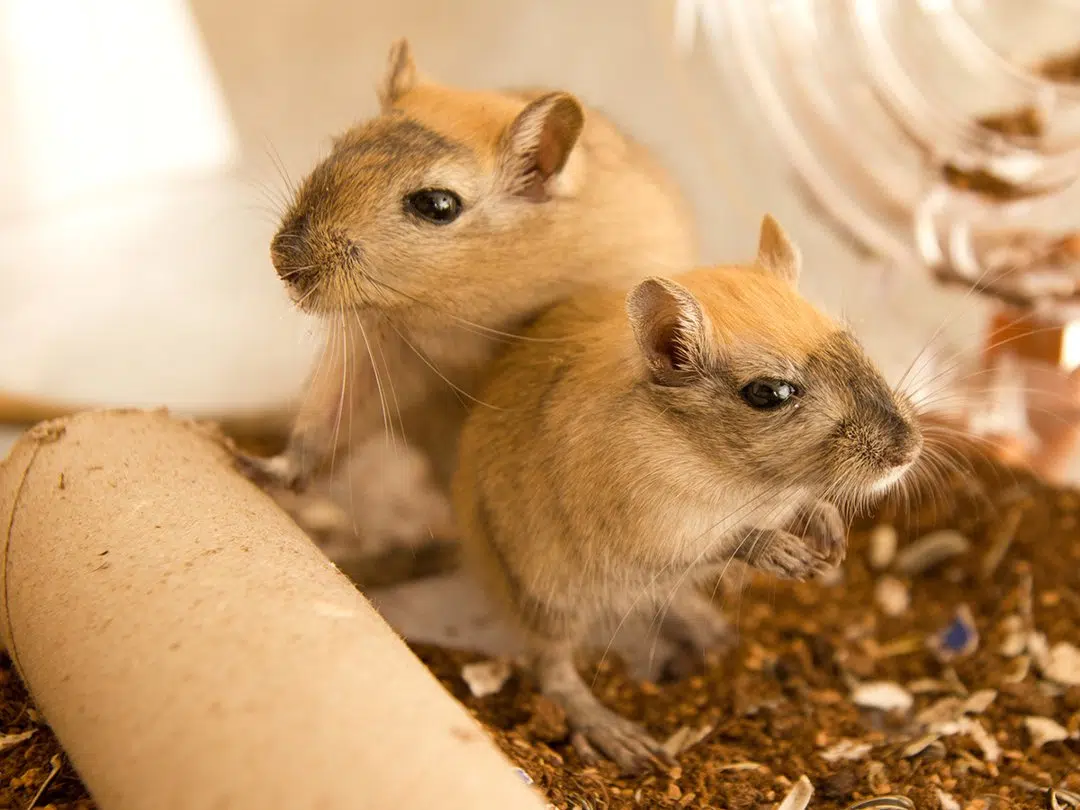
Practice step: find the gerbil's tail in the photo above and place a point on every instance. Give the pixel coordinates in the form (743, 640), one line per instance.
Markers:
(257, 432)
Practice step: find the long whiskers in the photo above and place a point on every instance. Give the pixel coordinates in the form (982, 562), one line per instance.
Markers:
(466, 324)
(344, 388)
(458, 390)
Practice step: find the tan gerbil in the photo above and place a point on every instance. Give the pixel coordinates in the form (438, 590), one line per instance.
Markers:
(643, 441)
(434, 231)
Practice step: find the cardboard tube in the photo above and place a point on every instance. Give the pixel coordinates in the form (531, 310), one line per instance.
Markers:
(193, 650)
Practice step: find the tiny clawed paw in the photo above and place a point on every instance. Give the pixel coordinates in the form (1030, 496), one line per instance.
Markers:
(832, 548)
(834, 553)
(277, 471)
(827, 533)
(799, 562)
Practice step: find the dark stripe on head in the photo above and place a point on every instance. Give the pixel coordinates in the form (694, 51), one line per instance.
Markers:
(396, 136)
(842, 363)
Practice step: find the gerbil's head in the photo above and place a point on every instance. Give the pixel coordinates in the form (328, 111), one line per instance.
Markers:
(406, 205)
(766, 386)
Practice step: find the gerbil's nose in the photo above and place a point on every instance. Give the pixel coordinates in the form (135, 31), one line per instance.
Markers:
(906, 453)
(289, 255)
(906, 441)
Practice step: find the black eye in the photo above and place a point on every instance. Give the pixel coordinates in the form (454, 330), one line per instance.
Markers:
(766, 394)
(435, 205)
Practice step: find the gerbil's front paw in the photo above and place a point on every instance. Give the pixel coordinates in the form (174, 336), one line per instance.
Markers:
(626, 744)
(280, 471)
(785, 555)
(823, 525)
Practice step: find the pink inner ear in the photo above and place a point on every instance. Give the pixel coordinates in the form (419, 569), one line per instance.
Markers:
(668, 348)
(556, 140)
(549, 154)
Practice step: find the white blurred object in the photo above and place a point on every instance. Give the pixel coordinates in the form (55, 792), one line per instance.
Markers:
(871, 100)
(104, 94)
(932, 136)
(134, 267)
(1001, 410)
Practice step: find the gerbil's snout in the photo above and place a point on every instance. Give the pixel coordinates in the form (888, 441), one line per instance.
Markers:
(308, 258)
(884, 440)
(903, 440)
(291, 256)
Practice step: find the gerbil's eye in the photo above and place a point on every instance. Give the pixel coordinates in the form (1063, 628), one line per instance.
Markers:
(435, 205)
(766, 394)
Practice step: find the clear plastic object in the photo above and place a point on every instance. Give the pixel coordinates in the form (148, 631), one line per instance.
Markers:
(937, 137)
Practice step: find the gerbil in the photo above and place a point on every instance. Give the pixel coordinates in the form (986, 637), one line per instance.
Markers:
(644, 440)
(431, 233)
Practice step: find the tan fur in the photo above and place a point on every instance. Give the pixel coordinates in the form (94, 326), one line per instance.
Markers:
(430, 302)
(604, 476)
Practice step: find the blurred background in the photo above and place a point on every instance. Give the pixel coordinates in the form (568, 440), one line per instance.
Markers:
(146, 148)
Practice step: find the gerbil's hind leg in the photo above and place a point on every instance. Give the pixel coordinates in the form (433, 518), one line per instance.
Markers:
(593, 725)
(697, 628)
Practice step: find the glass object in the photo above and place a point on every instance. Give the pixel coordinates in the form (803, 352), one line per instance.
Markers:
(942, 136)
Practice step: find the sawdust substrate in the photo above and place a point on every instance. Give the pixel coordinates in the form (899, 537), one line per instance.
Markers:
(782, 697)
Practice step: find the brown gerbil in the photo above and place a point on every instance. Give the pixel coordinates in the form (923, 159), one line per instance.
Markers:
(643, 441)
(435, 230)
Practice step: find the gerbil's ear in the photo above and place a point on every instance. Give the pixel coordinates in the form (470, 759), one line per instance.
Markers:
(538, 143)
(777, 253)
(670, 328)
(401, 75)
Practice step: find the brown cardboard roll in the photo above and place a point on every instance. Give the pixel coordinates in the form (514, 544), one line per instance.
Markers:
(193, 650)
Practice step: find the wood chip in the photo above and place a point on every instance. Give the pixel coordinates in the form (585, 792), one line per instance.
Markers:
(916, 747)
(1001, 538)
(1062, 664)
(883, 542)
(991, 749)
(1043, 730)
(742, 766)
(685, 738)
(951, 709)
(946, 801)
(892, 596)
(11, 740)
(884, 803)
(876, 777)
(931, 550)
(799, 796)
(980, 701)
(1063, 800)
(989, 745)
(57, 764)
(846, 751)
(1020, 670)
(1016, 636)
(930, 686)
(884, 695)
(946, 710)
